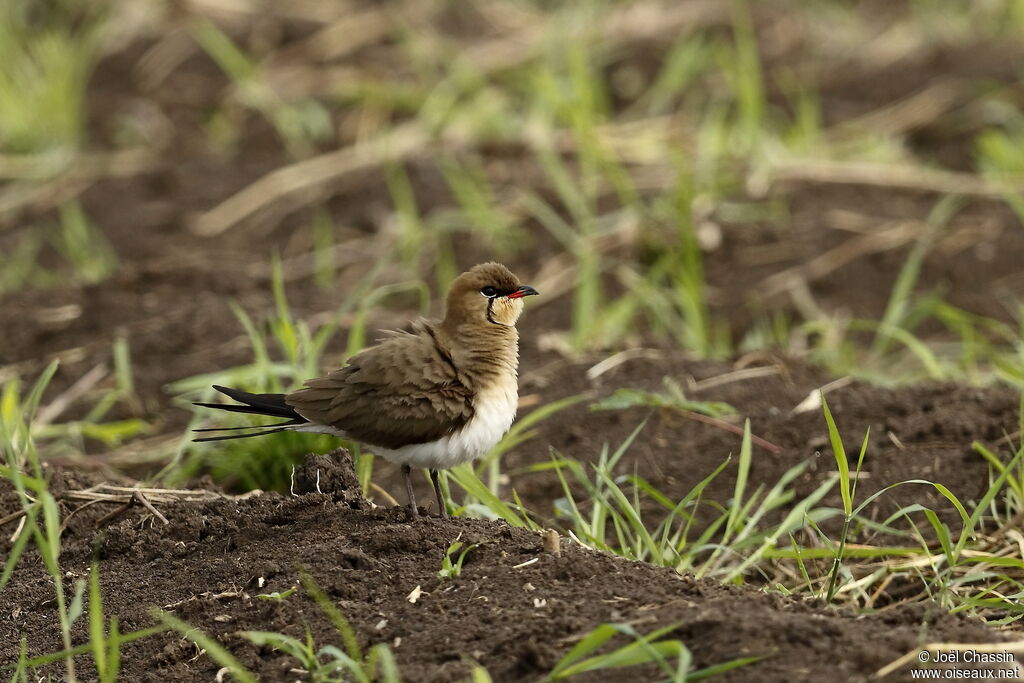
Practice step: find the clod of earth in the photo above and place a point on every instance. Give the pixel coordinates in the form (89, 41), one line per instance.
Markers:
(516, 605)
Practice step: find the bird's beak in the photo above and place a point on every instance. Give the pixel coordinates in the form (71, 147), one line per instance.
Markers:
(525, 290)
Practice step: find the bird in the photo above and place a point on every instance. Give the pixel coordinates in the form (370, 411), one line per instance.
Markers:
(439, 395)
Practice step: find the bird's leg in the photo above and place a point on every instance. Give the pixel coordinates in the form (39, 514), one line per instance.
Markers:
(434, 477)
(407, 474)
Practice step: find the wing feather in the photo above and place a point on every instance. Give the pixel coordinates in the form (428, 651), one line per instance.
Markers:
(403, 391)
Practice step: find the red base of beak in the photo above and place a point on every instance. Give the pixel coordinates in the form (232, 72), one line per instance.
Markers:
(525, 290)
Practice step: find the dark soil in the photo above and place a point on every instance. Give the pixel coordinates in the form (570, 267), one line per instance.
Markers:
(211, 562)
(170, 298)
(922, 432)
(972, 262)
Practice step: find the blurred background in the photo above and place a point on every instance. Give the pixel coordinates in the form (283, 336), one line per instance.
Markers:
(244, 191)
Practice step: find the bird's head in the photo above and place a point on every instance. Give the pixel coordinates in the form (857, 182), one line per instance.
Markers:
(486, 295)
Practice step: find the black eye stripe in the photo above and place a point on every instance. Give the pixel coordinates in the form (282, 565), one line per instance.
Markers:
(490, 316)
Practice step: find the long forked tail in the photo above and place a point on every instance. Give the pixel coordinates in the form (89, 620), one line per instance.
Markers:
(272, 405)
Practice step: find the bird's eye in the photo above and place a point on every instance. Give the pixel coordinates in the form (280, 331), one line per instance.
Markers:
(489, 292)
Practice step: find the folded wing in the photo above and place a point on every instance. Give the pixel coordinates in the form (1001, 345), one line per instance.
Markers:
(406, 391)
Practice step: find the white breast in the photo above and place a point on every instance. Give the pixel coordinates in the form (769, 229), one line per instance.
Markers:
(493, 412)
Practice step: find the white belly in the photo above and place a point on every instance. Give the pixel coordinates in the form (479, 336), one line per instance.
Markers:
(493, 412)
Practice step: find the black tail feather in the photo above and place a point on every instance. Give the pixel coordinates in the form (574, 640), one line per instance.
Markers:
(232, 408)
(234, 429)
(240, 436)
(271, 405)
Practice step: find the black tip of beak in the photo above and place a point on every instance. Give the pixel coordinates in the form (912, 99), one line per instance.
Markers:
(525, 290)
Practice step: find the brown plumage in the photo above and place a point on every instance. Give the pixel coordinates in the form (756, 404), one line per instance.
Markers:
(435, 397)
(405, 390)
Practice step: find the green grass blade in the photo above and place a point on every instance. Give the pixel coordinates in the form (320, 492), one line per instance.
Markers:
(385, 666)
(589, 643)
(284, 643)
(642, 650)
(113, 662)
(43, 660)
(717, 669)
(18, 547)
(942, 533)
(467, 479)
(842, 462)
(742, 474)
(793, 520)
(214, 650)
(341, 624)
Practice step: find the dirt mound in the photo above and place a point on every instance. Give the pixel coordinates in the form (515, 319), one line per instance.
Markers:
(515, 606)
